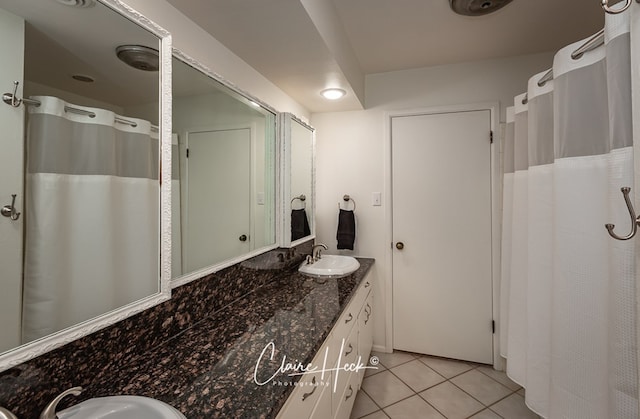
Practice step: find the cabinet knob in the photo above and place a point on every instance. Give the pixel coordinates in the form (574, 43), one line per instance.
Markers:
(399, 245)
(243, 238)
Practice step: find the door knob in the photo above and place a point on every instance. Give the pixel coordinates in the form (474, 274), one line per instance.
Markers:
(243, 238)
(399, 245)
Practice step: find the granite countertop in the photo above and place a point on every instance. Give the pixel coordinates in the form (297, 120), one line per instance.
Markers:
(208, 370)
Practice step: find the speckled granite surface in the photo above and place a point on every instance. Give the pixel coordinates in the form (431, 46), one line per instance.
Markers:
(199, 350)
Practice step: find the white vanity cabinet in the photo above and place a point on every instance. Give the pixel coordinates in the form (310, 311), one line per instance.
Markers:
(350, 338)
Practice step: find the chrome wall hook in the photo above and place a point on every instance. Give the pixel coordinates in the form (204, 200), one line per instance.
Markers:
(12, 98)
(605, 6)
(634, 220)
(10, 210)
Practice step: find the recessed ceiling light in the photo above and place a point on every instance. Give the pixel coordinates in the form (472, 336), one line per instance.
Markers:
(77, 3)
(83, 78)
(333, 93)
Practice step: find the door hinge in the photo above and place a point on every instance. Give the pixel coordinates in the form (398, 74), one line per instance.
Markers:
(491, 137)
(187, 153)
(493, 326)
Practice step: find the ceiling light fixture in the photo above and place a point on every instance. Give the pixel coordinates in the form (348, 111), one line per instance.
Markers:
(333, 93)
(77, 3)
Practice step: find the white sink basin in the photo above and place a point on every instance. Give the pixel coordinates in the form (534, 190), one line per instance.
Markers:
(330, 265)
(121, 407)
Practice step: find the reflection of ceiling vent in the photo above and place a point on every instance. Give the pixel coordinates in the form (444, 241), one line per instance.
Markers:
(139, 56)
(78, 3)
(477, 7)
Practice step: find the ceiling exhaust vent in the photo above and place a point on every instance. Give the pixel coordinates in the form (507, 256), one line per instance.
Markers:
(139, 56)
(477, 7)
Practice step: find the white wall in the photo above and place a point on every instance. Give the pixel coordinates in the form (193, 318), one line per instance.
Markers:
(197, 43)
(350, 148)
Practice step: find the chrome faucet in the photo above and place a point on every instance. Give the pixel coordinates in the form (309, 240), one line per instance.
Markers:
(49, 411)
(6, 414)
(316, 251)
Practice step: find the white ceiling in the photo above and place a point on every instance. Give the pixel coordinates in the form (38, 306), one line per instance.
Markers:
(304, 46)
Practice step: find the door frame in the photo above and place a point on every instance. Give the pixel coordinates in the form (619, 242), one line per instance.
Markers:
(496, 211)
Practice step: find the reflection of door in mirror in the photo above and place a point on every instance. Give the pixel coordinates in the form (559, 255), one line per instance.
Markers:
(87, 238)
(218, 196)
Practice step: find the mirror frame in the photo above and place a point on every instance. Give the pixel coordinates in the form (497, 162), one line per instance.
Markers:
(197, 274)
(285, 179)
(55, 340)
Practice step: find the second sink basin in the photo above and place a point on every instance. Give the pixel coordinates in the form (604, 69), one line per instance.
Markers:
(331, 265)
(121, 407)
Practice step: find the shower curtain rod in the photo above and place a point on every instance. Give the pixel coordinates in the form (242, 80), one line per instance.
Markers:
(79, 111)
(590, 44)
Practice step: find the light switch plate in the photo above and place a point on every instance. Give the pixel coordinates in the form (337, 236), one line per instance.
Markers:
(376, 199)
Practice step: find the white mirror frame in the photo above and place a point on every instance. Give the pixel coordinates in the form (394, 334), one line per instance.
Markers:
(48, 343)
(285, 179)
(197, 274)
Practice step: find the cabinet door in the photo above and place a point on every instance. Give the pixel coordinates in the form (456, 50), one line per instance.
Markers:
(348, 356)
(322, 410)
(304, 398)
(347, 398)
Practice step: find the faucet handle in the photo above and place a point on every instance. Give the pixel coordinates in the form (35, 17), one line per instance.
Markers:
(6, 414)
(49, 412)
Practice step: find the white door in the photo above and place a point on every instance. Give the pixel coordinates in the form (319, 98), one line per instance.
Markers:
(218, 196)
(442, 295)
(11, 179)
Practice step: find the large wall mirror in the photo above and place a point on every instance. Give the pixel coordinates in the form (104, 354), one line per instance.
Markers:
(80, 234)
(224, 173)
(298, 151)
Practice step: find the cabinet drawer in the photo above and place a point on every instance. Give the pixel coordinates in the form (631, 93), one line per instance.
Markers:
(350, 315)
(365, 333)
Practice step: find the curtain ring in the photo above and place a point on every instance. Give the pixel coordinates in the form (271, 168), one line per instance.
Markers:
(605, 6)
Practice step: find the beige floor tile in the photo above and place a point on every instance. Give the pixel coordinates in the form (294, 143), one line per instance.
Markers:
(500, 377)
(363, 406)
(446, 367)
(513, 407)
(483, 388)
(417, 375)
(385, 388)
(394, 359)
(485, 414)
(377, 415)
(412, 408)
(371, 371)
(521, 392)
(451, 401)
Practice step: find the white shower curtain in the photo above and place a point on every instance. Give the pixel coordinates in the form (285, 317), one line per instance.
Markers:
(92, 215)
(571, 334)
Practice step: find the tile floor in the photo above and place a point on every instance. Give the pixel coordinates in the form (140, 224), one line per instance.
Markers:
(409, 386)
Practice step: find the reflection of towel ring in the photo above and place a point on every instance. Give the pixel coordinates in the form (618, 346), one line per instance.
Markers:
(300, 197)
(346, 199)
